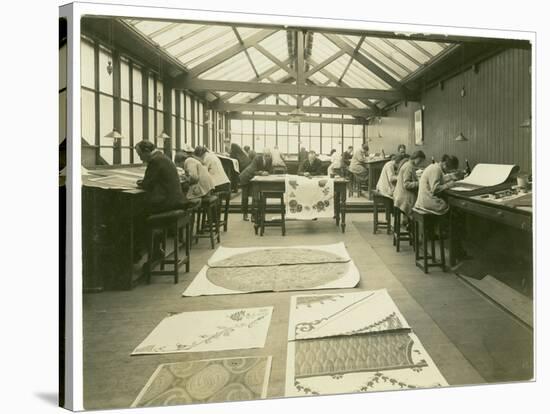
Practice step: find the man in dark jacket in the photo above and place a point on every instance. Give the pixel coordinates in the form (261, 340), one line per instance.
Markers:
(161, 180)
(311, 166)
(347, 156)
(250, 152)
(260, 165)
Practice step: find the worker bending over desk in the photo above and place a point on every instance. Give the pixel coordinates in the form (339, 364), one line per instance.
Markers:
(260, 165)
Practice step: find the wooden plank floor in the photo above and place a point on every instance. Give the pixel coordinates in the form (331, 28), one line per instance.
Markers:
(115, 322)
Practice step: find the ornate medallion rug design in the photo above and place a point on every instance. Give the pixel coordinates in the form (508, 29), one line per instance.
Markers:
(309, 197)
(353, 342)
(264, 269)
(208, 331)
(212, 380)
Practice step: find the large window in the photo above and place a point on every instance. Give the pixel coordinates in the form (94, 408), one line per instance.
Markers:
(320, 137)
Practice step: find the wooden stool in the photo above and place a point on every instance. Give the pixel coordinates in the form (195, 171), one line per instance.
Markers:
(398, 234)
(381, 201)
(177, 221)
(264, 196)
(355, 185)
(208, 220)
(224, 196)
(425, 224)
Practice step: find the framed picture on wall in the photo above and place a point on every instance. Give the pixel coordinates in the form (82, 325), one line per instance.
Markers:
(418, 132)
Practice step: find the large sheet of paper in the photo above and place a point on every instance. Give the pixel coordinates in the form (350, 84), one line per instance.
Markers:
(209, 380)
(233, 160)
(485, 175)
(336, 314)
(206, 331)
(116, 181)
(353, 342)
(251, 277)
(307, 198)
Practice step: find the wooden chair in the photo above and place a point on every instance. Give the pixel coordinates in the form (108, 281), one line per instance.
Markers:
(387, 204)
(177, 222)
(264, 196)
(425, 225)
(208, 220)
(398, 234)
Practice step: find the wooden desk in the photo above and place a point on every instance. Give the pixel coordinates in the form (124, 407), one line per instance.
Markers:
(276, 184)
(375, 169)
(518, 218)
(112, 225)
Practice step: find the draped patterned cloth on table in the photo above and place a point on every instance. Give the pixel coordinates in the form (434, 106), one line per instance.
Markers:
(307, 198)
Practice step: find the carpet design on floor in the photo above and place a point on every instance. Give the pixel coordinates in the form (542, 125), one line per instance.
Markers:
(214, 380)
(353, 342)
(357, 353)
(235, 270)
(205, 331)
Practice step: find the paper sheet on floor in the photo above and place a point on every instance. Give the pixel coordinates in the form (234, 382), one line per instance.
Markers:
(341, 273)
(485, 175)
(362, 363)
(307, 198)
(335, 314)
(212, 380)
(353, 342)
(206, 331)
(245, 256)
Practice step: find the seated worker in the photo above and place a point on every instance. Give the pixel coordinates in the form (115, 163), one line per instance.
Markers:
(406, 187)
(250, 152)
(199, 179)
(279, 166)
(311, 166)
(335, 166)
(434, 180)
(402, 149)
(358, 164)
(235, 151)
(215, 169)
(388, 176)
(261, 165)
(302, 155)
(161, 181)
(347, 156)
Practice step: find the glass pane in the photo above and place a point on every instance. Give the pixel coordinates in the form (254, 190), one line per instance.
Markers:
(63, 67)
(247, 126)
(201, 114)
(87, 68)
(327, 145)
(105, 79)
(160, 123)
(236, 126)
(247, 140)
(304, 142)
(349, 142)
(151, 128)
(173, 130)
(125, 123)
(259, 143)
(348, 130)
(259, 127)
(62, 116)
(124, 80)
(160, 96)
(105, 119)
(293, 129)
(138, 124)
(188, 107)
(182, 130)
(337, 130)
(270, 141)
(151, 91)
(136, 82)
(270, 127)
(125, 156)
(173, 101)
(182, 105)
(88, 116)
(188, 128)
(282, 128)
(107, 154)
(315, 128)
(315, 144)
(282, 143)
(237, 139)
(304, 129)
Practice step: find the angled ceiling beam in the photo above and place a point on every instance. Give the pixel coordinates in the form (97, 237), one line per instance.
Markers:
(246, 52)
(229, 107)
(263, 76)
(324, 63)
(355, 52)
(363, 60)
(203, 42)
(185, 37)
(283, 88)
(334, 79)
(421, 49)
(274, 59)
(162, 30)
(230, 52)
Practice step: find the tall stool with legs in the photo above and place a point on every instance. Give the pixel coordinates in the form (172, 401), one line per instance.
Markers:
(425, 225)
(264, 196)
(381, 201)
(399, 234)
(208, 220)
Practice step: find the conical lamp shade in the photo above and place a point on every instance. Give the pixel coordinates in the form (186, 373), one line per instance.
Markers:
(461, 137)
(114, 134)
